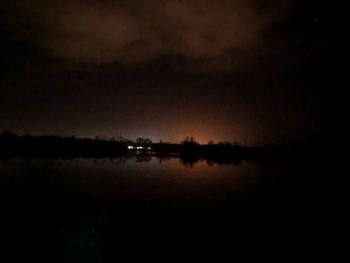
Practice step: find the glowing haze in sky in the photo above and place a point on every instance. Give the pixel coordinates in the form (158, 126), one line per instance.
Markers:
(250, 71)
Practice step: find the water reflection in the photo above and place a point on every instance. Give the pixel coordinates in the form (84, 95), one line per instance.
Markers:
(186, 161)
(79, 206)
(140, 178)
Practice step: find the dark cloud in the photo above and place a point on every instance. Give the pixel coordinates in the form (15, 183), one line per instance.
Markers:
(204, 33)
(253, 70)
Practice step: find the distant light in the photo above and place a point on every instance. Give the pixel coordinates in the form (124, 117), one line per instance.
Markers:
(149, 148)
(139, 147)
(130, 147)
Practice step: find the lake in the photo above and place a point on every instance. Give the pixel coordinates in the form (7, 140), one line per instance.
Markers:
(75, 206)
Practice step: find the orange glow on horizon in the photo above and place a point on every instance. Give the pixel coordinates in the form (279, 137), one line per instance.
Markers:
(201, 132)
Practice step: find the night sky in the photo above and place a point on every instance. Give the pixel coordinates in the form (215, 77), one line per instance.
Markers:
(249, 71)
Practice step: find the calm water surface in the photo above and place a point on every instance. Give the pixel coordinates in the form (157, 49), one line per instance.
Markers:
(109, 181)
(150, 188)
(81, 205)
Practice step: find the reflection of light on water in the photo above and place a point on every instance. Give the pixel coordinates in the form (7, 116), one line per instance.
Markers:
(143, 176)
(168, 178)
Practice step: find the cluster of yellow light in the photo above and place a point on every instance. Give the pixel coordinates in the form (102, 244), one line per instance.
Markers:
(130, 147)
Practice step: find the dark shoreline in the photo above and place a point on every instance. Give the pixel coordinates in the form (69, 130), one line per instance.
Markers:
(188, 151)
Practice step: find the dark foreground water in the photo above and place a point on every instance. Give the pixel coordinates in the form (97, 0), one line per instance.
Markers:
(91, 210)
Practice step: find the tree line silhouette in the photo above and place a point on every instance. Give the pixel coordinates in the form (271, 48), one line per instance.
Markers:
(188, 150)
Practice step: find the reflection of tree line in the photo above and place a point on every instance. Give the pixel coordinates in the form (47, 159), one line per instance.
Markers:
(147, 158)
(143, 150)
